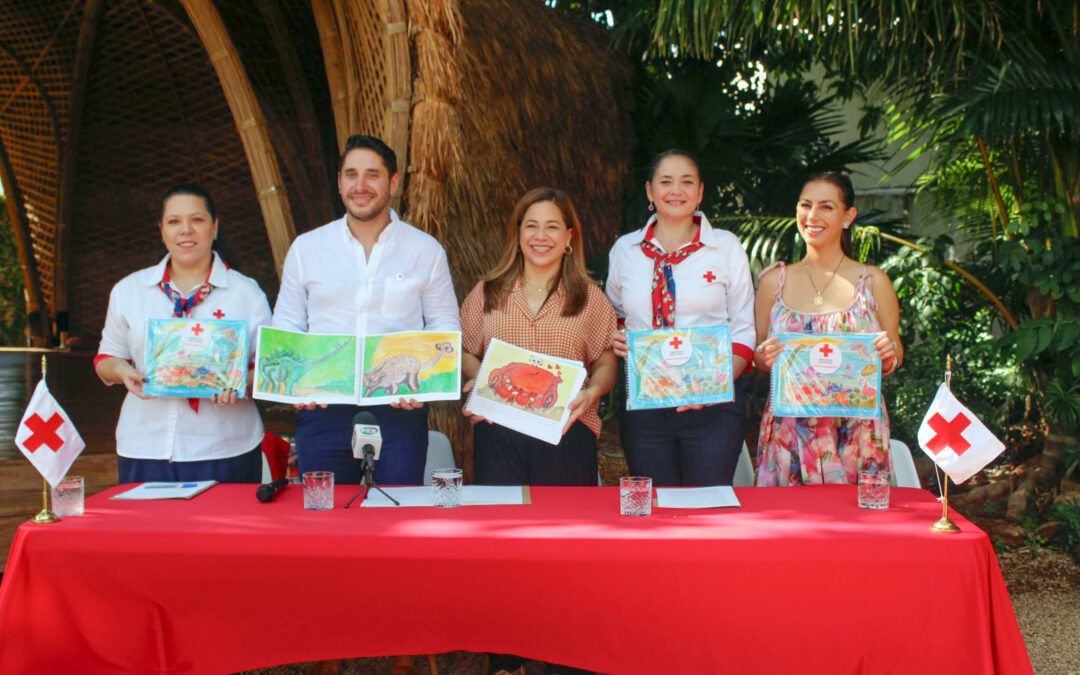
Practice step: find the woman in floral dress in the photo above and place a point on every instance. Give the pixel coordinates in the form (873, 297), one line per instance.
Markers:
(829, 293)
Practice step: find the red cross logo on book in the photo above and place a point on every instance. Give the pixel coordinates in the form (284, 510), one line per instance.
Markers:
(948, 434)
(826, 350)
(218, 314)
(709, 277)
(676, 342)
(44, 432)
(197, 329)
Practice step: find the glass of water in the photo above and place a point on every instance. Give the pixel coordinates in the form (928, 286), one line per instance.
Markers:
(874, 489)
(635, 496)
(67, 496)
(319, 490)
(446, 487)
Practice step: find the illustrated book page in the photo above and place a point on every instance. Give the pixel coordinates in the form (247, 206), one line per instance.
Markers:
(837, 375)
(293, 367)
(195, 358)
(526, 391)
(672, 367)
(421, 365)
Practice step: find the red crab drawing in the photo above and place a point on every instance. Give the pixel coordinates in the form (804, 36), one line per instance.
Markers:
(525, 384)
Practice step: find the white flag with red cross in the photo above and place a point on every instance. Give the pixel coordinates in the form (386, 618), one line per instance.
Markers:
(955, 439)
(47, 437)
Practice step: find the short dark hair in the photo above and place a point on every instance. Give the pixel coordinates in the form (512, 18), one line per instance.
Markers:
(193, 190)
(365, 142)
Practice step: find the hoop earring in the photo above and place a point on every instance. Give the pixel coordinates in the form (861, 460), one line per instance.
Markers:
(651, 207)
(569, 249)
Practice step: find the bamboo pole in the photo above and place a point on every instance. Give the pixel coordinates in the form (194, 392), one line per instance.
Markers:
(250, 123)
(310, 174)
(330, 40)
(398, 81)
(342, 8)
(83, 55)
(35, 316)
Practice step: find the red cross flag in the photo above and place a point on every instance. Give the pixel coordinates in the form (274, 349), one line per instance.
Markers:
(47, 437)
(955, 439)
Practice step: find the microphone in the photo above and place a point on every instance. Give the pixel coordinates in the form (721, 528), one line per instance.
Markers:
(267, 491)
(366, 438)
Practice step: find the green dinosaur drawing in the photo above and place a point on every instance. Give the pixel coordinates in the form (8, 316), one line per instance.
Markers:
(283, 368)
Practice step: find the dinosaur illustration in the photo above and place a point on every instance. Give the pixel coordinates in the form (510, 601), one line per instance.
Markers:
(282, 368)
(397, 370)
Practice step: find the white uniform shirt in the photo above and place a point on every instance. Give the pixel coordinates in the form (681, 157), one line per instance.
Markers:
(167, 428)
(712, 285)
(329, 287)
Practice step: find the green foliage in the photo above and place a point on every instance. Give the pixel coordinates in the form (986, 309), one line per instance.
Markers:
(12, 304)
(1068, 514)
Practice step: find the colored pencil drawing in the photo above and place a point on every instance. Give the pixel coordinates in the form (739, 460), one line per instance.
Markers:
(526, 391)
(671, 367)
(297, 367)
(827, 376)
(195, 358)
(424, 365)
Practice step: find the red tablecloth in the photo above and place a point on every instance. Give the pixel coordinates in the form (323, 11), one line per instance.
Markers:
(798, 580)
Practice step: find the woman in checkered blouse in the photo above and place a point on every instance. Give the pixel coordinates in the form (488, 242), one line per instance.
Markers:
(539, 297)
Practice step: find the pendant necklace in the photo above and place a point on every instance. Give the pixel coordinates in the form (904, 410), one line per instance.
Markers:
(818, 300)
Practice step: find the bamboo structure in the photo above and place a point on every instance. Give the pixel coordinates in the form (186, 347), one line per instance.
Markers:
(269, 184)
(104, 104)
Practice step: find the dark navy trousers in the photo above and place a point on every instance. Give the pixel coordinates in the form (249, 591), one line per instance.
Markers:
(245, 468)
(324, 443)
(694, 447)
(502, 456)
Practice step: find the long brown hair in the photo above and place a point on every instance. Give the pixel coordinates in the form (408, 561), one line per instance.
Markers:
(574, 275)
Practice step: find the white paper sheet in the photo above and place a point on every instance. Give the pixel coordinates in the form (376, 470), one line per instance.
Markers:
(710, 497)
(471, 495)
(179, 490)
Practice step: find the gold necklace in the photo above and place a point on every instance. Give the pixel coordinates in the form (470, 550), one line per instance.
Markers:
(538, 288)
(818, 300)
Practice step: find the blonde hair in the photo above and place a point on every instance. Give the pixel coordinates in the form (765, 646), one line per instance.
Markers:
(573, 273)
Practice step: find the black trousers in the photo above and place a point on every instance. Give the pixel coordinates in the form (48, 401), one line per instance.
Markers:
(695, 447)
(502, 456)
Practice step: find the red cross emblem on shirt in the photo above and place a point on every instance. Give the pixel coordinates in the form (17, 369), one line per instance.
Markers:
(44, 432)
(826, 350)
(219, 314)
(197, 329)
(709, 277)
(676, 342)
(948, 433)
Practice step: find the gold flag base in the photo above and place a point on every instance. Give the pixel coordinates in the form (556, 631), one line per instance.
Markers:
(944, 526)
(45, 516)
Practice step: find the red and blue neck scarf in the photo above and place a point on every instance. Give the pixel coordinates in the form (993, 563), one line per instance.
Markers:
(663, 281)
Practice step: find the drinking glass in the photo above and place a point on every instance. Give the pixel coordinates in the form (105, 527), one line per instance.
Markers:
(319, 490)
(67, 496)
(635, 496)
(446, 487)
(874, 489)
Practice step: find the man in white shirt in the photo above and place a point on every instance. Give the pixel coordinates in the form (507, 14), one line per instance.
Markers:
(368, 272)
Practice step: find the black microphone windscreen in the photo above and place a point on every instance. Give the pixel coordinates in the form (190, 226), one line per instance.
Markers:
(364, 417)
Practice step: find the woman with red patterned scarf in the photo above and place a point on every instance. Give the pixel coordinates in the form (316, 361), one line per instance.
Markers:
(177, 439)
(679, 272)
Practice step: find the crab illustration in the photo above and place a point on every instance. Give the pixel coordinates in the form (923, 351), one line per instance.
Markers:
(526, 384)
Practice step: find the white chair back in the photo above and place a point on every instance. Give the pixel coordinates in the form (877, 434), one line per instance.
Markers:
(902, 466)
(744, 470)
(439, 454)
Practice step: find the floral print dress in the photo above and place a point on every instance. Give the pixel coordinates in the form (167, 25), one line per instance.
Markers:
(809, 450)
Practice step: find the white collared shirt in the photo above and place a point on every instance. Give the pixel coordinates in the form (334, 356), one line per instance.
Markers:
(712, 285)
(328, 286)
(167, 428)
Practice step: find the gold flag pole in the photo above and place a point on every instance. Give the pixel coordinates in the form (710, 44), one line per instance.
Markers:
(45, 516)
(945, 526)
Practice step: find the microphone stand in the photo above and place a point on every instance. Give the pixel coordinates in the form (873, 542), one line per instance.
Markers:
(369, 478)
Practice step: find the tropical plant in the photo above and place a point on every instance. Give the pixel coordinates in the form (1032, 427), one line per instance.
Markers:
(12, 309)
